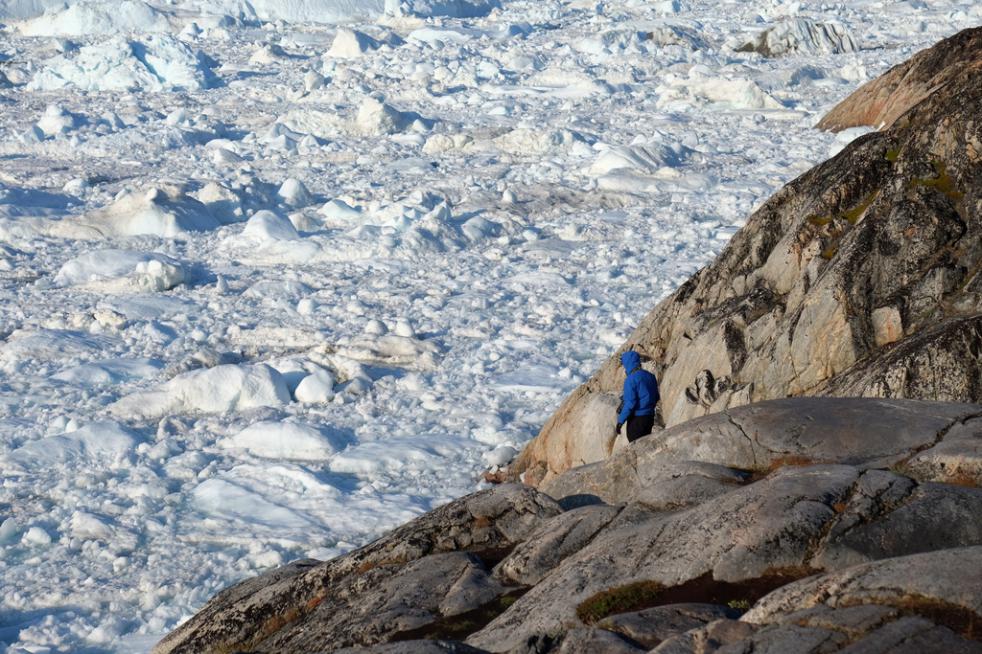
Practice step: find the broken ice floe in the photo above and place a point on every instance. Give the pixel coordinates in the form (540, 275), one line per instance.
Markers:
(122, 271)
(157, 62)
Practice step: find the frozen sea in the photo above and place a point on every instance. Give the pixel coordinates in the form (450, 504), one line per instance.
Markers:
(278, 276)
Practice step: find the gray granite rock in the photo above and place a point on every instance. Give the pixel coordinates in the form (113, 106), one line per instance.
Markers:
(650, 627)
(260, 611)
(556, 539)
(695, 461)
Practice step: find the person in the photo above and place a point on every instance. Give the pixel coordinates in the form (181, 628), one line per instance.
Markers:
(639, 398)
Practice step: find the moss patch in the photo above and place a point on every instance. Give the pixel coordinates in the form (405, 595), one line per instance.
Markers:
(632, 597)
(892, 154)
(703, 590)
(853, 215)
(941, 182)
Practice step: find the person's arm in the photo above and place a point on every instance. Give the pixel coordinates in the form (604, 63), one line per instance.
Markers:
(630, 401)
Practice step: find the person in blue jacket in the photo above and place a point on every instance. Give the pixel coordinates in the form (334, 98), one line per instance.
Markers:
(639, 398)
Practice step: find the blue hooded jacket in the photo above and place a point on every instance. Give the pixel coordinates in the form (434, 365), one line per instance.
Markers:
(640, 389)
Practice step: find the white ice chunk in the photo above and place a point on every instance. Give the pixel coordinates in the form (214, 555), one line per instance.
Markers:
(732, 93)
(167, 212)
(90, 527)
(104, 443)
(122, 271)
(268, 227)
(110, 371)
(158, 62)
(316, 388)
(375, 118)
(500, 455)
(282, 440)
(644, 158)
(800, 35)
(295, 194)
(350, 43)
(430, 8)
(221, 389)
(36, 536)
(95, 18)
(56, 120)
(227, 499)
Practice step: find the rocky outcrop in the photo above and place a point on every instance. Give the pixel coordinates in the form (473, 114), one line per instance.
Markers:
(880, 102)
(700, 523)
(433, 568)
(859, 278)
(693, 462)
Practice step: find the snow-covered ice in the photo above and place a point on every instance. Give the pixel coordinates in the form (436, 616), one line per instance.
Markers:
(278, 275)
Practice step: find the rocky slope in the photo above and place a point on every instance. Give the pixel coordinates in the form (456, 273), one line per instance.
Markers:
(861, 277)
(664, 546)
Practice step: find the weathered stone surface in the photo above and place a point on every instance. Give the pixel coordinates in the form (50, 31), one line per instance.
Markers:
(248, 615)
(591, 424)
(888, 633)
(377, 605)
(715, 636)
(556, 539)
(652, 626)
(859, 278)
(773, 522)
(633, 476)
(956, 459)
(414, 647)
(590, 641)
(919, 583)
(694, 461)
(907, 519)
(795, 522)
(883, 100)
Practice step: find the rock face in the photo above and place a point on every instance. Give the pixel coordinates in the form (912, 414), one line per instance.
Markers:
(883, 100)
(700, 523)
(434, 567)
(859, 278)
(692, 462)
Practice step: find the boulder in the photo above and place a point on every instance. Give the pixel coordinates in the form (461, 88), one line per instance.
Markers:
(284, 609)
(858, 630)
(859, 278)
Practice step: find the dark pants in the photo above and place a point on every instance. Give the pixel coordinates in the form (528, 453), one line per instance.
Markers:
(638, 426)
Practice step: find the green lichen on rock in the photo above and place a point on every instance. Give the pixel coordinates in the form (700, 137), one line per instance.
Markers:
(853, 215)
(942, 182)
(631, 597)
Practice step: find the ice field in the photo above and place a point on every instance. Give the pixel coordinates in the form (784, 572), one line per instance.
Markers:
(276, 276)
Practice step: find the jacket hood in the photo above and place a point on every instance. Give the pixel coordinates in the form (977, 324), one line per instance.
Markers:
(630, 360)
